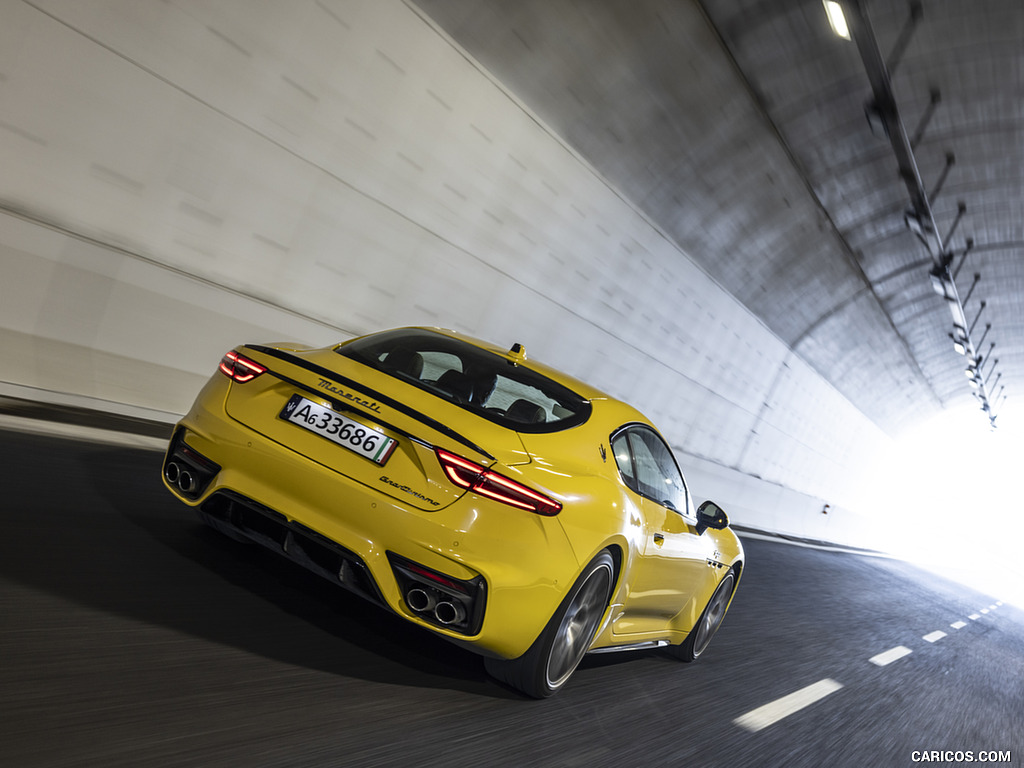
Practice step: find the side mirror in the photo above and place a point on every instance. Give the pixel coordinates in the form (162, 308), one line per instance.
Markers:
(710, 515)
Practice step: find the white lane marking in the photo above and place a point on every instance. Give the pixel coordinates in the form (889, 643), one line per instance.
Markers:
(999, 602)
(774, 711)
(994, 607)
(770, 713)
(888, 657)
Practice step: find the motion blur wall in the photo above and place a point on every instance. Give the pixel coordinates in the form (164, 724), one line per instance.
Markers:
(183, 176)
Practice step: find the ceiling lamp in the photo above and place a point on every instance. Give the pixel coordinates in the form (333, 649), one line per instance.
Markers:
(849, 19)
(836, 18)
(960, 339)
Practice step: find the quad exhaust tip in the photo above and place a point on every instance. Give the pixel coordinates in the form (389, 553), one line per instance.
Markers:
(449, 612)
(446, 612)
(181, 477)
(420, 600)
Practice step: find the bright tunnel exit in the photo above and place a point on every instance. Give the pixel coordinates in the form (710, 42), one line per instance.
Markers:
(947, 497)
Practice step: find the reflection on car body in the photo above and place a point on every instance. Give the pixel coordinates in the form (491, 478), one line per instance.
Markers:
(492, 500)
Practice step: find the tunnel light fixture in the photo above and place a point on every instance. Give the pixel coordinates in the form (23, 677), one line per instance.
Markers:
(960, 339)
(849, 19)
(836, 18)
(916, 224)
(942, 281)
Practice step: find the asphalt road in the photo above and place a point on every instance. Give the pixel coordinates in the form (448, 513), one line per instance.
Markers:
(130, 635)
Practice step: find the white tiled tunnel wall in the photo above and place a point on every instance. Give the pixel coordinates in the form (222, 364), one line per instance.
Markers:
(189, 175)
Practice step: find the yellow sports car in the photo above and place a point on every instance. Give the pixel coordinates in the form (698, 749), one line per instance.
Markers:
(487, 498)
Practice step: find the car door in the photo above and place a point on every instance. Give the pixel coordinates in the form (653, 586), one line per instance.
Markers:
(672, 567)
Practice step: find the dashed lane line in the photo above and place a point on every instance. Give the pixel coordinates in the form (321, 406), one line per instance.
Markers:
(760, 718)
(763, 716)
(888, 657)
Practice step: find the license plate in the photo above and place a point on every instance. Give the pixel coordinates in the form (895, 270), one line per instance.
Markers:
(359, 438)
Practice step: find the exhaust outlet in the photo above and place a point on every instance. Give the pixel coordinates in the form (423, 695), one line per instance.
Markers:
(186, 470)
(449, 613)
(420, 600)
(186, 482)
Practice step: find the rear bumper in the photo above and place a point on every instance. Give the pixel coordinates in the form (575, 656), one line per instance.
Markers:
(241, 517)
(438, 599)
(508, 569)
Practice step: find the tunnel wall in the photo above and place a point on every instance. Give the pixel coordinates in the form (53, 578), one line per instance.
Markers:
(182, 177)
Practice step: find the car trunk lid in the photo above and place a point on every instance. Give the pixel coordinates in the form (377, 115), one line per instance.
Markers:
(365, 424)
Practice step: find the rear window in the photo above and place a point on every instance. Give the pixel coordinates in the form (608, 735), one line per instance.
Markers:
(486, 384)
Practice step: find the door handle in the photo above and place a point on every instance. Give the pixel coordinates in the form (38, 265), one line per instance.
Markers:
(659, 539)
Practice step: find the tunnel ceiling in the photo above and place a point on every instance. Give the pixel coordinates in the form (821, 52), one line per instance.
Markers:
(739, 127)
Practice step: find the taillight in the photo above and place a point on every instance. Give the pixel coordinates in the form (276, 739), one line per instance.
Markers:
(434, 576)
(239, 368)
(473, 477)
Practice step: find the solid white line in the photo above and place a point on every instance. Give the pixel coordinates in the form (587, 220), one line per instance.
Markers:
(958, 624)
(774, 711)
(933, 636)
(890, 656)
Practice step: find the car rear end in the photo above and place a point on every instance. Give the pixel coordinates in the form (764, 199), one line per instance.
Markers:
(393, 466)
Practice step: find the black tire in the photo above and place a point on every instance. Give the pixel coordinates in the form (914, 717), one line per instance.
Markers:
(710, 620)
(554, 656)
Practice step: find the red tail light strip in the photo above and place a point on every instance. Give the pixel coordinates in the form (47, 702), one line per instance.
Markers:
(239, 368)
(434, 576)
(466, 474)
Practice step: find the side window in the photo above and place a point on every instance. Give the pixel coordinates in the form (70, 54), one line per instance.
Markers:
(652, 471)
(624, 459)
